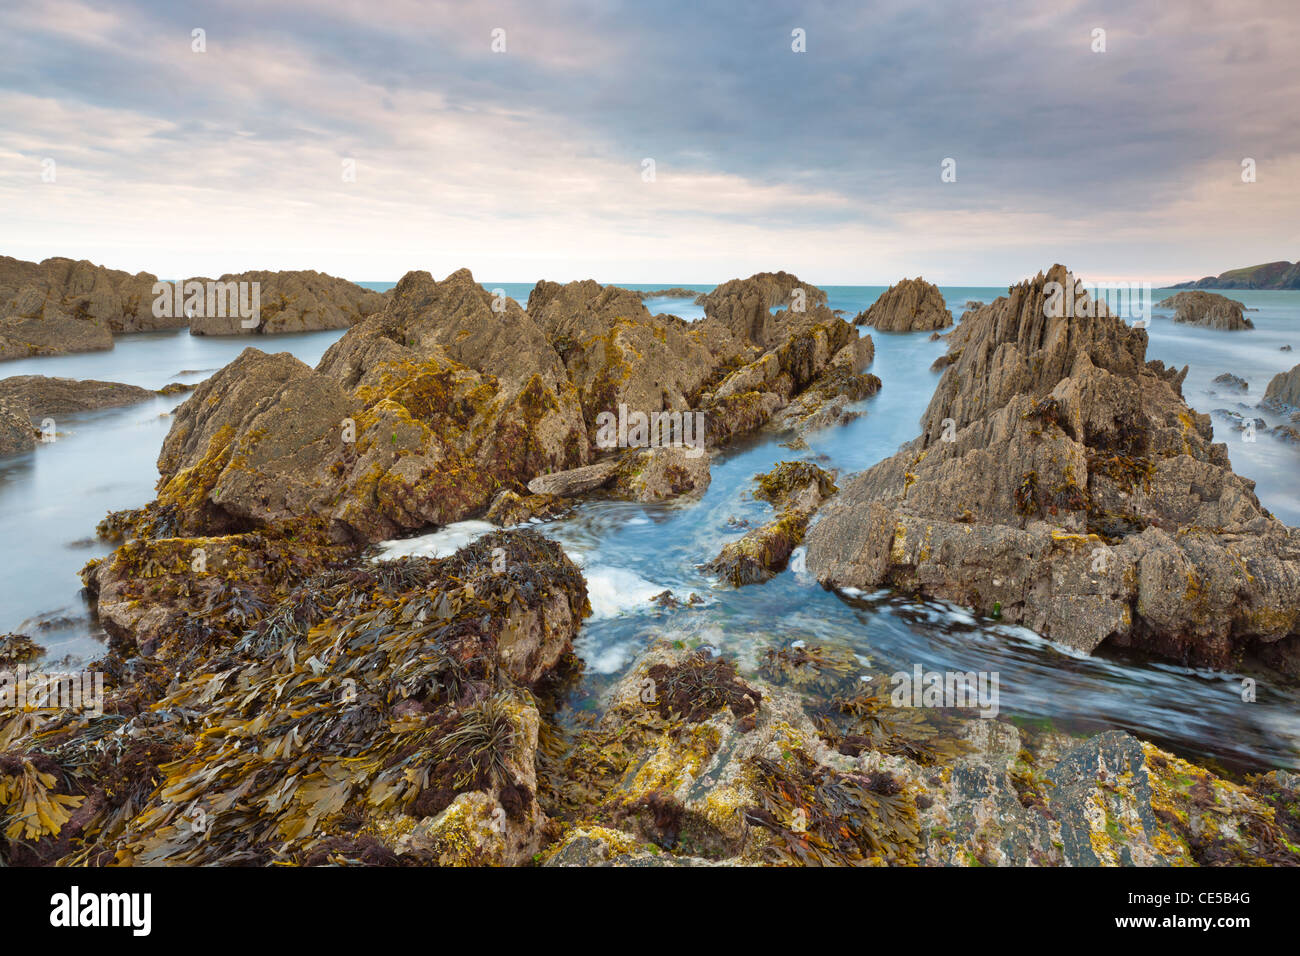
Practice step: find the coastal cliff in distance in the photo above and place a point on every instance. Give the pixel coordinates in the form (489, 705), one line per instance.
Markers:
(1270, 275)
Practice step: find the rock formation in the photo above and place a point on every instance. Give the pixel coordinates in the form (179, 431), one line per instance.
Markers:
(1270, 275)
(1062, 481)
(911, 305)
(59, 306)
(1284, 390)
(1207, 309)
(42, 396)
(294, 301)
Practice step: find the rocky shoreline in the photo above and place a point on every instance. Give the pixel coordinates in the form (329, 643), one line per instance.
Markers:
(276, 695)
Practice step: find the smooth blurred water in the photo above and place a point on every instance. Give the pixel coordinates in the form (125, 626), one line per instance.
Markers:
(51, 499)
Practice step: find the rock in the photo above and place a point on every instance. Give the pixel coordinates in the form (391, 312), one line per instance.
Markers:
(911, 305)
(744, 306)
(509, 508)
(973, 304)
(657, 474)
(1284, 390)
(1232, 382)
(176, 388)
(59, 306)
(18, 649)
(45, 397)
(1285, 348)
(1062, 478)
(796, 489)
(16, 432)
(575, 481)
(415, 417)
(676, 292)
(293, 301)
(1207, 309)
(618, 355)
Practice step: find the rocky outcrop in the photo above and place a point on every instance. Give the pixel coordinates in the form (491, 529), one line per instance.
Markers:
(416, 417)
(61, 305)
(42, 396)
(1061, 481)
(1233, 383)
(744, 306)
(16, 432)
(293, 301)
(911, 305)
(796, 489)
(1284, 390)
(676, 292)
(1207, 309)
(616, 353)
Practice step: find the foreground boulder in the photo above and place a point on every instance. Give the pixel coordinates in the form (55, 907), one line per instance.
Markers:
(911, 305)
(1062, 482)
(1208, 309)
(293, 301)
(43, 396)
(368, 715)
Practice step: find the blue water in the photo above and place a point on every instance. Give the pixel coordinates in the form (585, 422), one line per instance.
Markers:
(51, 499)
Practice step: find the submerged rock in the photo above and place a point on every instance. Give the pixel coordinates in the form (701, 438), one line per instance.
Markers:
(1208, 309)
(1063, 479)
(1232, 382)
(911, 305)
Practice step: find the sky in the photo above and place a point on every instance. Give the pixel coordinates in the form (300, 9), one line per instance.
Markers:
(679, 141)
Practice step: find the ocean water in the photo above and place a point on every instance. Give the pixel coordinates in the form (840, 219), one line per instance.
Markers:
(51, 499)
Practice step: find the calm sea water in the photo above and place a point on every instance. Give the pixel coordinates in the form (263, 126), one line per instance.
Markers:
(51, 499)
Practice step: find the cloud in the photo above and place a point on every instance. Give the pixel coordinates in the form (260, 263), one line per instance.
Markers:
(528, 163)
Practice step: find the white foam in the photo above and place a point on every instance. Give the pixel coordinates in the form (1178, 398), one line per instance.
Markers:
(439, 544)
(609, 660)
(615, 590)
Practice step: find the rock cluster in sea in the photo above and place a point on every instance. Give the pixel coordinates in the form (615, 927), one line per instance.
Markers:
(911, 305)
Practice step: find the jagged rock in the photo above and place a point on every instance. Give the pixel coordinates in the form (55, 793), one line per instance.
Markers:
(1232, 382)
(293, 301)
(42, 396)
(1063, 479)
(911, 305)
(1284, 390)
(16, 432)
(676, 292)
(744, 306)
(973, 304)
(60, 305)
(405, 423)
(1207, 309)
(825, 402)
(616, 353)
